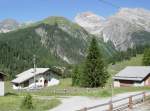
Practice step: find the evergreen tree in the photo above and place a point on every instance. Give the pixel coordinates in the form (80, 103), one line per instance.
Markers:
(76, 76)
(146, 57)
(94, 72)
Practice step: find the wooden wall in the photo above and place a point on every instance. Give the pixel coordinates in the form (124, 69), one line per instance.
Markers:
(126, 83)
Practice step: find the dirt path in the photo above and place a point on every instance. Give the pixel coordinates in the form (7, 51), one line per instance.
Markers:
(143, 107)
(78, 102)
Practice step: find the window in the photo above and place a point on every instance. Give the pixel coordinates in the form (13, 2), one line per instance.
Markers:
(17, 85)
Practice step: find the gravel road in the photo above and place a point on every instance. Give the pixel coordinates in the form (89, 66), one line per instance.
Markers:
(78, 102)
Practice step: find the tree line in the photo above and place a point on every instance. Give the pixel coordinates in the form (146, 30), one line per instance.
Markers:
(127, 55)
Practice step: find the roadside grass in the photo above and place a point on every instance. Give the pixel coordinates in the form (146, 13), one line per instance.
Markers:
(130, 89)
(12, 103)
(44, 105)
(90, 92)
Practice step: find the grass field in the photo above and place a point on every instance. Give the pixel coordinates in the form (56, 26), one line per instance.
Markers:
(13, 102)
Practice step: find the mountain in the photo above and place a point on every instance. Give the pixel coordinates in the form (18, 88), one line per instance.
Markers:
(118, 28)
(91, 22)
(54, 41)
(78, 32)
(8, 25)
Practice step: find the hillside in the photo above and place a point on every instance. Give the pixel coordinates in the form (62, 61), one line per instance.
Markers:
(58, 42)
(141, 37)
(134, 61)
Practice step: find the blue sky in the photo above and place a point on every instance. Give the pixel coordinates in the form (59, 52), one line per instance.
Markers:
(26, 10)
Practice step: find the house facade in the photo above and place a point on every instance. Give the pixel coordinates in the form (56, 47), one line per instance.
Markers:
(35, 78)
(2, 89)
(133, 76)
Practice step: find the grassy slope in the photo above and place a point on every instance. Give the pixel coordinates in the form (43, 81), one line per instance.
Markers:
(135, 61)
(114, 69)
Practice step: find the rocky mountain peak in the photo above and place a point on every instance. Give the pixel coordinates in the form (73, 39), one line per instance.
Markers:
(117, 28)
(7, 25)
(90, 21)
(10, 24)
(134, 11)
(89, 15)
(9, 21)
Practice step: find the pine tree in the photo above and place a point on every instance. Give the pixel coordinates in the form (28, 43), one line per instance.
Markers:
(94, 72)
(146, 57)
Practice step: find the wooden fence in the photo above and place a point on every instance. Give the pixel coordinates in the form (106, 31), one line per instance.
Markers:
(67, 91)
(72, 91)
(113, 105)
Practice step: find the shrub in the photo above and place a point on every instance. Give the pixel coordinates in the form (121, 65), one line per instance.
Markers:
(27, 102)
(76, 76)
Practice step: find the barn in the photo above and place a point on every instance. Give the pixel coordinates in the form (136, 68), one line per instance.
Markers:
(133, 76)
(2, 89)
(35, 77)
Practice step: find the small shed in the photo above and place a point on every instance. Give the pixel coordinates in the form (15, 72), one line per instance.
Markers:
(2, 89)
(133, 76)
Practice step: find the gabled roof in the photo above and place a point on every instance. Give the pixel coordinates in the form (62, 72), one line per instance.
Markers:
(28, 74)
(136, 73)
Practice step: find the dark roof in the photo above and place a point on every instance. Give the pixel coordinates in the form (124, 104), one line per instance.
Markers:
(135, 73)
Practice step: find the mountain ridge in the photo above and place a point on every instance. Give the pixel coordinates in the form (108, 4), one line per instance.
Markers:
(53, 44)
(119, 27)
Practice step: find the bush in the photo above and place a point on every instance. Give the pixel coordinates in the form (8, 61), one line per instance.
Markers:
(27, 102)
(76, 76)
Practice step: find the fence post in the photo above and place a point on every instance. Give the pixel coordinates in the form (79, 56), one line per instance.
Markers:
(110, 106)
(144, 96)
(130, 102)
(65, 91)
